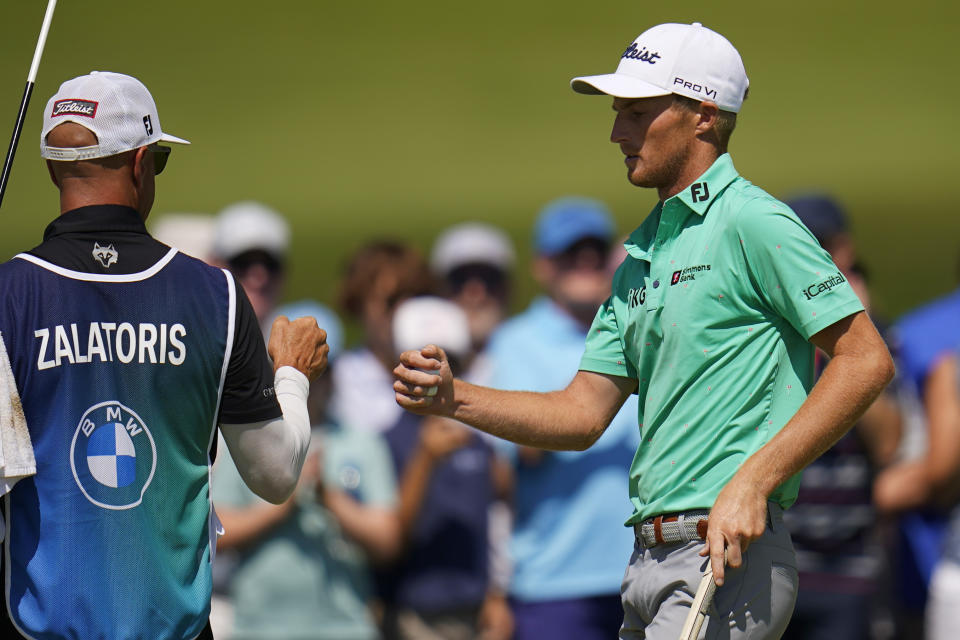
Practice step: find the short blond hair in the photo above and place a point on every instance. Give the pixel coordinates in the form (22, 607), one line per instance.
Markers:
(726, 120)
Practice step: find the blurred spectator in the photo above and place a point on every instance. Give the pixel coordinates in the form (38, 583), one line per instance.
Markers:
(439, 588)
(834, 524)
(827, 221)
(942, 479)
(303, 567)
(378, 276)
(923, 340)
(473, 262)
(569, 507)
(252, 241)
(191, 233)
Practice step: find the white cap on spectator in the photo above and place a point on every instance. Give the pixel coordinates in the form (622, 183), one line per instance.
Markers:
(425, 320)
(246, 226)
(117, 108)
(471, 243)
(191, 233)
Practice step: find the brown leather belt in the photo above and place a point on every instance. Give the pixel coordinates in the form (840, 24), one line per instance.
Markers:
(672, 528)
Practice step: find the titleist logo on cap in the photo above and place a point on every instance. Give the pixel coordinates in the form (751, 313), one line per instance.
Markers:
(74, 107)
(641, 53)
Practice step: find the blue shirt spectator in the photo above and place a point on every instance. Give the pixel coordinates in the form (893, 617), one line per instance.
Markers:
(924, 335)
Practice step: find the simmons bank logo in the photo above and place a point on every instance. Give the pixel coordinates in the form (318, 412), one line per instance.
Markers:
(113, 456)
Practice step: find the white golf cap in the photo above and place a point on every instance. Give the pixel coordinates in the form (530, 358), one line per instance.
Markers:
(471, 243)
(425, 320)
(687, 59)
(247, 226)
(191, 233)
(117, 108)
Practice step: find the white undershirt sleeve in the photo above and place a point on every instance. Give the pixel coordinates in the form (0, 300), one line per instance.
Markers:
(270, 454)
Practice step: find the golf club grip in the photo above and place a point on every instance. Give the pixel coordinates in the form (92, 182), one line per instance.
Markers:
(17, 128)
(699, 606)
(704, 606)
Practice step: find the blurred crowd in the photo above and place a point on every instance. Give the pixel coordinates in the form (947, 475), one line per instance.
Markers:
(419, 528)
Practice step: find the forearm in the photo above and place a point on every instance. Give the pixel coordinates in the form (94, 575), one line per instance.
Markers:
(571, 419)
(270, 454)
(413, 489)
(376, 529)
(246, 525)
(848, 385)
(556, 420)
(941, 400)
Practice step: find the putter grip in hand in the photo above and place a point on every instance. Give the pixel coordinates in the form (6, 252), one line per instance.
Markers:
(699, 607)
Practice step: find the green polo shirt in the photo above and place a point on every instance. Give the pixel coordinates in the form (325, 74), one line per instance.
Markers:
(711, 312)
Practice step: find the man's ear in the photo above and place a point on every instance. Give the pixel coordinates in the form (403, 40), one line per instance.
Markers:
(140, 162)
(707, 116)
(53, 176)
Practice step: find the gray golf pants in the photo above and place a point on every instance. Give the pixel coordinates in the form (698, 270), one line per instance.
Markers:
(754, 603)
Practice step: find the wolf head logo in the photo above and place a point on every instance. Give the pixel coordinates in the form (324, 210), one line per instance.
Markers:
(105, 255)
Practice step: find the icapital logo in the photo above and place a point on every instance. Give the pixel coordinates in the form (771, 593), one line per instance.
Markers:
(814, 290)
(642, 54)
(74, 107)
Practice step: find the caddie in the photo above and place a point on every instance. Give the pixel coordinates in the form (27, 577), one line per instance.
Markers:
(127, 356)
(712, 322)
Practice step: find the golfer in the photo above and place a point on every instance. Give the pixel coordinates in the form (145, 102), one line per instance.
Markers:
(712, 322)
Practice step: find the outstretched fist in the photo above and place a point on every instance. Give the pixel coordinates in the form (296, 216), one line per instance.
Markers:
(300, 344)
(423, 382)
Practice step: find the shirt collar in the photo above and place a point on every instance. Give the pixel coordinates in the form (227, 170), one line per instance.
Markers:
(697, 197)
(700, 195)
(640, 242)
(96, 218)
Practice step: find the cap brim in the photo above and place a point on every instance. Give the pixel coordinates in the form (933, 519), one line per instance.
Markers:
(166, 137)
(617, 85)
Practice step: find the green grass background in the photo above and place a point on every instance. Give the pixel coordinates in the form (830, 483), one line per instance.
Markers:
(371, 119)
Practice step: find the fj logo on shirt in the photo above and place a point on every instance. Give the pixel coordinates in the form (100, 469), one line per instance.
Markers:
(105, 255)
(699, 192)
(814, 290)
(688, 273)
(112, 456)
(636, 297)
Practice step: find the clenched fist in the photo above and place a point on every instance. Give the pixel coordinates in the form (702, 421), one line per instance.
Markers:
(300, 344)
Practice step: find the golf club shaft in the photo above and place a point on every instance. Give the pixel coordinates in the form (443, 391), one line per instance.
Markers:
(25, 101)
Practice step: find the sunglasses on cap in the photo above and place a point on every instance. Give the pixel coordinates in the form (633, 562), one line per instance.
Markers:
(160, 156)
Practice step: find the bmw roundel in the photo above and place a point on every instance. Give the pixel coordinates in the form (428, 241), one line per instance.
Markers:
(113, 456)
